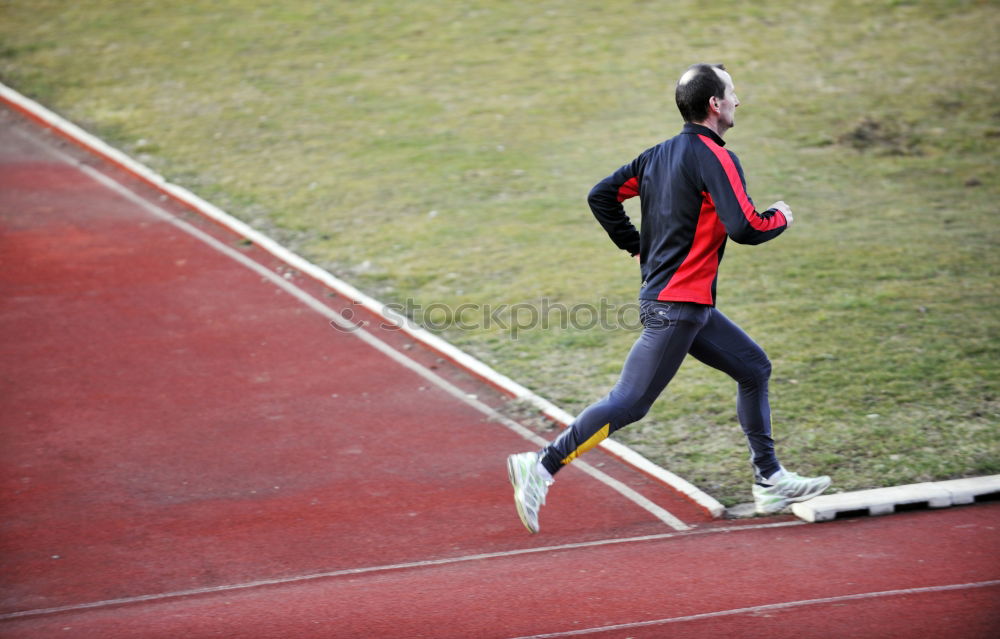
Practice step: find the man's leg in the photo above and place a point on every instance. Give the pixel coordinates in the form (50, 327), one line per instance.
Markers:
(723, 345)
(669, 329)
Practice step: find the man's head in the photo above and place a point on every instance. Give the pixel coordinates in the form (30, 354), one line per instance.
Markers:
(705, 95)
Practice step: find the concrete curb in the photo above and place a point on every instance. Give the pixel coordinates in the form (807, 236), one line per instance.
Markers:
(883, 501)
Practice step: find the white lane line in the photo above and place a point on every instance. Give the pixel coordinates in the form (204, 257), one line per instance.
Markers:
(655, 510)
(389, 567)
(765, 608)
(100, 148)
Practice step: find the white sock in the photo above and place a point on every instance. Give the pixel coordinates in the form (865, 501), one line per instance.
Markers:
(544, 472)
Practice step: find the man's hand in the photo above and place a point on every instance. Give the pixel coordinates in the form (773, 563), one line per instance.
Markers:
(785, 210)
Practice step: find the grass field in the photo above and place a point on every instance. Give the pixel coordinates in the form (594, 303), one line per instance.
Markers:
(439, 154)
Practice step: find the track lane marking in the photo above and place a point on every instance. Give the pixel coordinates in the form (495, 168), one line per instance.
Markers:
(764, 608)
(387, 568)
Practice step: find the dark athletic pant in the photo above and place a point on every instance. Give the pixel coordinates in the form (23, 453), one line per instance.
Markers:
(671, 330)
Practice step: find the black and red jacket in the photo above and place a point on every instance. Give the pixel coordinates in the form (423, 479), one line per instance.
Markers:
(692, 196)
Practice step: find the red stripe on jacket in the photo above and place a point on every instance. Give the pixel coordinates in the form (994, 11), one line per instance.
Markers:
(692, 282)
(629, 189)
(749, 212)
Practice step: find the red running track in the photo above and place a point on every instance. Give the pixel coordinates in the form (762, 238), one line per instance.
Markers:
(191, 450)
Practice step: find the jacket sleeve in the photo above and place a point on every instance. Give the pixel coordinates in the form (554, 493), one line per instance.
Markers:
(723, 177)
(605, 202)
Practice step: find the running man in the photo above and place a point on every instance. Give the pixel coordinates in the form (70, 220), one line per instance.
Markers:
(692, 196)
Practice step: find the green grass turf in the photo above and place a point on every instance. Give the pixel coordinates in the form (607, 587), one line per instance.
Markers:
(441, 152)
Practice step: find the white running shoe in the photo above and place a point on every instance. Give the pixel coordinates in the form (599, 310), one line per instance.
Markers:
(789, 488)
(529, 488)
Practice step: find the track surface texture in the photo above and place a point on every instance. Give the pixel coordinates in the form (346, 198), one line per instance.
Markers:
(192, 449)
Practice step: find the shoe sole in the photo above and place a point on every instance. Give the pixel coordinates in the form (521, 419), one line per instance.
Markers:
(518, 503)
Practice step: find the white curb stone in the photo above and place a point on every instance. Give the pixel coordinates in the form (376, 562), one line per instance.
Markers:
(883, 501)
(965, 491)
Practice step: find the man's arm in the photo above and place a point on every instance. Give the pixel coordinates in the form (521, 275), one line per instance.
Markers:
(605, 202)
(723, 177)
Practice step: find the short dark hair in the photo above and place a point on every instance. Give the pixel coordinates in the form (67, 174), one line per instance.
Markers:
(702, 84)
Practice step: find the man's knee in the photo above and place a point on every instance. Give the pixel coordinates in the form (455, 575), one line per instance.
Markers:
(636, 412)
(756, 370)
(764, 368)
(628, 410)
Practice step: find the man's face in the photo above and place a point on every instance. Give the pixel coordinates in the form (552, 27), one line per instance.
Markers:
(728, 103)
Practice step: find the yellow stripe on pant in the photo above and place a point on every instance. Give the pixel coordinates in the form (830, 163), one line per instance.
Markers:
(594, 440)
